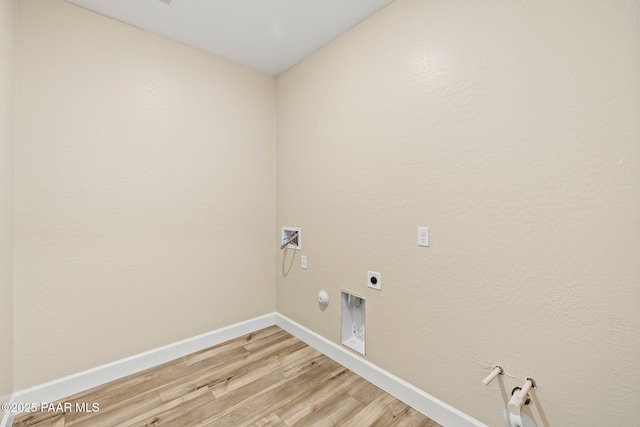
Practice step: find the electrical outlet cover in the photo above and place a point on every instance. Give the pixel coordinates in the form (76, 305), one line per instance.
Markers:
(423, 236)
(374, 280)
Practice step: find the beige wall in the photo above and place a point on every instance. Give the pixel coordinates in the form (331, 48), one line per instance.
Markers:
(146, 196)
(511, 129)
(7, 83)
(145, 192)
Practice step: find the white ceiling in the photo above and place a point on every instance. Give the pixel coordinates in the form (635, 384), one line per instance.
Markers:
(267, 35)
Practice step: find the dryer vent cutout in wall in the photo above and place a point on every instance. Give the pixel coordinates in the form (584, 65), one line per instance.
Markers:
(353, 320)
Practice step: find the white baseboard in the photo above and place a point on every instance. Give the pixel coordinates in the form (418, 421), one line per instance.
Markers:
(4, 421)
(67, 386)
(421, 401)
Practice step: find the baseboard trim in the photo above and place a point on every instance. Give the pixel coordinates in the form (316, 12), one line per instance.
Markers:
(421, 401)
(72, 384)
(4, 421)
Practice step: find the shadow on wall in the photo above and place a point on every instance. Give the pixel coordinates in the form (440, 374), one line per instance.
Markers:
(286, 269)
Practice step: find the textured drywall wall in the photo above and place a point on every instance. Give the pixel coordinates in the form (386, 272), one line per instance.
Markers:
(7, 84)
(511, 129)
(145, 192)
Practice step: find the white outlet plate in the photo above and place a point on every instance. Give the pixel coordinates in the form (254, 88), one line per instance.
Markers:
(303, 261)
(374, 280)
(423, 236)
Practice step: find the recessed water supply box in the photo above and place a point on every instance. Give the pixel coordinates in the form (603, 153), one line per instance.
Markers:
(353, 321)
(291, 238)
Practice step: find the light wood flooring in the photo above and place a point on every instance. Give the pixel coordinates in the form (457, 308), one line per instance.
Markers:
(267, 378)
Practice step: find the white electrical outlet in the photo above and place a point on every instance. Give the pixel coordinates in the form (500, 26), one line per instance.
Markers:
(423, 236)
(374, 280)
(303, 261)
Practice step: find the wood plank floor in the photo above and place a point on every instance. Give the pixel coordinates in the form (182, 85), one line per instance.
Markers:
(267, 378)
